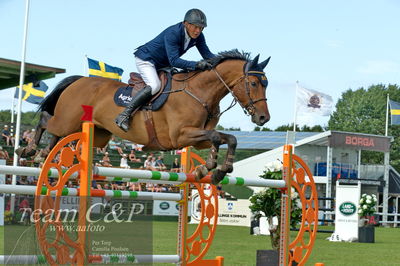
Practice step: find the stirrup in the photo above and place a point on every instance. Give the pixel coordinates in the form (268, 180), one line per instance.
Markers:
(122, 122)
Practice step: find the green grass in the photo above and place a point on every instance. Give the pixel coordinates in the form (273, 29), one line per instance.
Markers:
(239, 248)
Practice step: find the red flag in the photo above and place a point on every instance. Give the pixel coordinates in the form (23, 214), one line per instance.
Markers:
(87, 113)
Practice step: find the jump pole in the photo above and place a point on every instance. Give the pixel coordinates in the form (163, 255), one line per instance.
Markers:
(209, 209)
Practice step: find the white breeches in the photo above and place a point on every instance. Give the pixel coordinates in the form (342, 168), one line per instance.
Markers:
(149, 74)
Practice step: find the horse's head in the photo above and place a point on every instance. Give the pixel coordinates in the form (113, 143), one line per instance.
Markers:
(250, 91)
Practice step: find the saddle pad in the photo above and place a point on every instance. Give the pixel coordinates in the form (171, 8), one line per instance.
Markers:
(123, 96)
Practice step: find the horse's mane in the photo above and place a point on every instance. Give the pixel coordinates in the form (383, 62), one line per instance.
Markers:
(227, 55)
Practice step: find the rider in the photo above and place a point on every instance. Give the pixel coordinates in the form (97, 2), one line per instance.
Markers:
(165, 51)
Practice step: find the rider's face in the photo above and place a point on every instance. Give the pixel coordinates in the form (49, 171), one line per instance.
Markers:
(193, 30)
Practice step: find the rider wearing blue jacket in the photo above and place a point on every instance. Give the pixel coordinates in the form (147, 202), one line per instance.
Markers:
(163, 51)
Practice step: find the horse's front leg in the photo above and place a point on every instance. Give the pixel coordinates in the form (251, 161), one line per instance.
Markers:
(227, 166)
(205, 138)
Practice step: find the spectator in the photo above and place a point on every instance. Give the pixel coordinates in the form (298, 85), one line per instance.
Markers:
(106, 160)
(25, 136)
(176, 167)
(135, 186)
(132, 157)
(31, 136)
(113, 145)
(7, 137)
(4, 154)
(148, 165)
(160, 164)
(137, 147)
(124, 161)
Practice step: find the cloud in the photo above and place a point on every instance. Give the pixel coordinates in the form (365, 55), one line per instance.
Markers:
(379, 67)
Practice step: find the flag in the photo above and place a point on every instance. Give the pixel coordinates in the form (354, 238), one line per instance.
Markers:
(394, 112)
(310, 101)
(33, 93)
(101, 69)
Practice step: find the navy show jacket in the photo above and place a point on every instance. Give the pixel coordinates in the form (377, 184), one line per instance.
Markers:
(166, 49)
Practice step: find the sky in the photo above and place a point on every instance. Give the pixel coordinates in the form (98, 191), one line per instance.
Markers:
(327, 46)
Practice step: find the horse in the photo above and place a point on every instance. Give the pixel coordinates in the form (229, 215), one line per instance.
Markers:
(188, 117)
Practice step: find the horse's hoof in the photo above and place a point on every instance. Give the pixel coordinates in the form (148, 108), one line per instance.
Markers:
(211, 164)
(200, 172)
(217, 177)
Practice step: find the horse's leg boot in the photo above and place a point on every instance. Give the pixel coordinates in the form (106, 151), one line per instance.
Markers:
(140, 98)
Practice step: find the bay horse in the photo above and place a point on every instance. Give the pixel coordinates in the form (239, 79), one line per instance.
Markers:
(188, 118)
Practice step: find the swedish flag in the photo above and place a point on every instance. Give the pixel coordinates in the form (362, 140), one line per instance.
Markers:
(101, 69)
(394, 112)
(33, 93)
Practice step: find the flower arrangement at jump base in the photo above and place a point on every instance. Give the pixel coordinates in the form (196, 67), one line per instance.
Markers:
(268, 202)
(367, 208)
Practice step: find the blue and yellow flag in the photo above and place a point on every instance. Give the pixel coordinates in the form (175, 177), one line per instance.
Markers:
(33, 94)
(394, 112)
(101, 69)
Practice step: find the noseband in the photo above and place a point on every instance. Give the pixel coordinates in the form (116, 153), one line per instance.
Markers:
(249, 108)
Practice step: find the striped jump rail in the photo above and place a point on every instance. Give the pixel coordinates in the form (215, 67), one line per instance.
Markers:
(132, 175)
(30, 190)
(94, 259)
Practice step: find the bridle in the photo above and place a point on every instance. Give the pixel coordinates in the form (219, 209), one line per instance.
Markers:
(249, 108)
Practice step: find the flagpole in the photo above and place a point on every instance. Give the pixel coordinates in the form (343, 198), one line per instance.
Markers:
(21, 83)
(85, 66)
(295, 107)
(13, 106)
(387, 115)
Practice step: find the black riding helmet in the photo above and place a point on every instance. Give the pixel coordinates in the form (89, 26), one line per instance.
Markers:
(196, 17)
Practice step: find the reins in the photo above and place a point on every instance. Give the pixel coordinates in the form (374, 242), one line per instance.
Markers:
(248, 109)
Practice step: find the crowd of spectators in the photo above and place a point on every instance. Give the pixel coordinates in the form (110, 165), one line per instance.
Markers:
(107, 157)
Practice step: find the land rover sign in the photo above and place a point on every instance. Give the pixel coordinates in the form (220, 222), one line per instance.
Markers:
(347, 208)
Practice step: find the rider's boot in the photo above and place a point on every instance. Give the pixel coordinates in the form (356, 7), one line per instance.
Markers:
(139, 99)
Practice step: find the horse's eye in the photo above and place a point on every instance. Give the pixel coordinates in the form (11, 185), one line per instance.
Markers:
(253, 84)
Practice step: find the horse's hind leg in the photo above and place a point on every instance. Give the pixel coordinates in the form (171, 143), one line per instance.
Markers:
(30, 150)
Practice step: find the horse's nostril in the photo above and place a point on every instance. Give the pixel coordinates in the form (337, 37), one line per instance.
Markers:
(262, 119)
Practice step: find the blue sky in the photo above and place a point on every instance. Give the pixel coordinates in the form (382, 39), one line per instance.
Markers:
(328, 46)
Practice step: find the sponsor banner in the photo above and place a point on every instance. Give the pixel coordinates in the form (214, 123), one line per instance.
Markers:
(72, 203)
(359, 141)
(165, 208)
(230, 212)
(346, 212)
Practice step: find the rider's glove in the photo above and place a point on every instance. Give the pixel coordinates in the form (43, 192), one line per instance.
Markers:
(203, 65)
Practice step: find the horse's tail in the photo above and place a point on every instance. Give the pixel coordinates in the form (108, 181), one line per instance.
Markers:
(49, 103)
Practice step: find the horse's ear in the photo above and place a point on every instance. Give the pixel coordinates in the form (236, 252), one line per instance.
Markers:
(255, 60)
(262, 65)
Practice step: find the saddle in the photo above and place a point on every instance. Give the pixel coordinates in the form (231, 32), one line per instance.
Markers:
(124, 95)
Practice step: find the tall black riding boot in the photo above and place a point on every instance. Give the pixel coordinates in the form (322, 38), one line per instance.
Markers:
(139, 99)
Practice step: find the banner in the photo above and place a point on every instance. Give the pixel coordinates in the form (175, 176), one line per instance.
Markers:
(230, 212)
(346, 212)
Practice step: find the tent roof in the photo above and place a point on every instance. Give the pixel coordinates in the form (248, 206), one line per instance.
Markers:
(10, 72)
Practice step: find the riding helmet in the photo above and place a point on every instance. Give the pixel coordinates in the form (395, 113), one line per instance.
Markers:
(197, 17)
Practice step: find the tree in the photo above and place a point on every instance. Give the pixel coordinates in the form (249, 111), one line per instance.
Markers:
(364, 111)
(257, 128)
